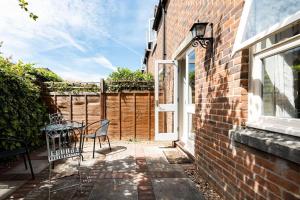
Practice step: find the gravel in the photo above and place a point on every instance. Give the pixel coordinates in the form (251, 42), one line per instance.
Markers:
(202, 185)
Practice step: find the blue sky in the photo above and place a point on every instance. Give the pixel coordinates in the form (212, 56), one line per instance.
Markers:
(81, 40)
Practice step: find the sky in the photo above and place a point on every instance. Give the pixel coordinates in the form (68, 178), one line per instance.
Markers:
(80, 40)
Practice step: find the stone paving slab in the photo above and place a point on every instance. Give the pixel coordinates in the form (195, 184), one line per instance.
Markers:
(9, 187)
(175, 188)
(112, 189)
(37, 165)
(130, 171)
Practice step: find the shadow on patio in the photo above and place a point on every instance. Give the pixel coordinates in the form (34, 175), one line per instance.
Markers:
(129, 171)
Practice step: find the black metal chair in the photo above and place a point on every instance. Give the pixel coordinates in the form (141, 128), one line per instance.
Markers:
(101, 131)
(21, 150)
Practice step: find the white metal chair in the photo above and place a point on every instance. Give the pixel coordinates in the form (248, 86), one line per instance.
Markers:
(64, 141)
(56, 118)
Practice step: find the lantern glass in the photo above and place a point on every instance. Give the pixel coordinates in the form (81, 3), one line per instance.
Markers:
(198, 30)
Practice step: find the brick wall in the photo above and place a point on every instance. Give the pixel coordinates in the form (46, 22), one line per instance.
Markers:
(237, 172)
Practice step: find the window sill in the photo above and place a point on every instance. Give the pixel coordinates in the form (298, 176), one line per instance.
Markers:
(284, 146)
(279, 125)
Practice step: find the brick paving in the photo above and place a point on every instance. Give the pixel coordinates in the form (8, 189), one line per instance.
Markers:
(129, 171)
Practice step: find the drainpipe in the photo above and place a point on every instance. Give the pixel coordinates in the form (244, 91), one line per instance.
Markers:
(164, 34)
(164, 58)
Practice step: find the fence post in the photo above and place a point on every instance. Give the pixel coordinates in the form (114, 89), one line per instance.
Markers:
(102, 100)
(86, 109)
(71, 108)
(55, 103)
(149, 115)
(120, 116)
(134, 114)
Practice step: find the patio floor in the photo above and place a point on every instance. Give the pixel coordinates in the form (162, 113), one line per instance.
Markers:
(129, 171)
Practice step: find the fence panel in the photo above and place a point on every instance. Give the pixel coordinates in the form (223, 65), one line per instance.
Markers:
(131, 113)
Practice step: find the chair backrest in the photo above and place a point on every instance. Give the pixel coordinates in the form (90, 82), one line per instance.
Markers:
(63, 142)
(103, 130)
(56, 118)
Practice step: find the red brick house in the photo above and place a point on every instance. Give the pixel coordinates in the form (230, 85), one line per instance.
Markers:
(232, 103)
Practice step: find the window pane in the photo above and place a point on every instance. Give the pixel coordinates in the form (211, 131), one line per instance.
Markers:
(268, 88)
(265, 13)
(166, 83)
(191, 71)
(191, 126)
(291, 71)
(166, 122)
(281, 84)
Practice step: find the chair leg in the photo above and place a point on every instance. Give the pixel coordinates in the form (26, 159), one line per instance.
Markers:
(49, 188)
(99, 141)
(80, 179)
(94, 147)
(25, 163)
(108, 143)
(30, 165)
(82, 144)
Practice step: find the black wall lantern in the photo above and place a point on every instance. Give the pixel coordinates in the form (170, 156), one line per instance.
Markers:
(198, 32)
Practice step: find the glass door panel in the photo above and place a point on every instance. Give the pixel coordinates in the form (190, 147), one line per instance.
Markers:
(189, 108)
(166, 100)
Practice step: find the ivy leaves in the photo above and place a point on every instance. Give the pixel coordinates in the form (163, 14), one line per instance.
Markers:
(24, 5)
(22, 112)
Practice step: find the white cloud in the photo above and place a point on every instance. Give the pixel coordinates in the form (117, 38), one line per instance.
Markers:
(59, 22)
(100, 61)
(66, 32)
(79, 76)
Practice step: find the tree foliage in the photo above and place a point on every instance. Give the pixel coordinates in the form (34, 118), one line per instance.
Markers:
(126, 79)
(22, 112)
(24, 5)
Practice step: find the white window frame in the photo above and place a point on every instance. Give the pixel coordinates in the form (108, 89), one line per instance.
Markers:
(239, 44)
(290, 126)
(150, 30)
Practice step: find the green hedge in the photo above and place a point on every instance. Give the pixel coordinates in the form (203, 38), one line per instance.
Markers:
(126, 79)
(22, 112)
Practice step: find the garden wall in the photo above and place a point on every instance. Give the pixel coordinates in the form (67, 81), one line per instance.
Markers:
(131, 114)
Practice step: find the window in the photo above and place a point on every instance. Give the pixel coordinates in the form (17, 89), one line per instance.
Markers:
(281, 84)
(260, 18)
(274, 95)
(151, 36)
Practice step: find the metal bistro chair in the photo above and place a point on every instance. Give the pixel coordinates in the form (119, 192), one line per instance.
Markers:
(101, 131)
(63, 142)
(56, 118)
(21, 150)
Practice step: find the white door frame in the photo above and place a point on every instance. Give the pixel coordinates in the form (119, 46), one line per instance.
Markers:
(166, 107)
(187, 107)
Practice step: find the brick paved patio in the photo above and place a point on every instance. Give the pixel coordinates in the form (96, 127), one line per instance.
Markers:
(129, 171)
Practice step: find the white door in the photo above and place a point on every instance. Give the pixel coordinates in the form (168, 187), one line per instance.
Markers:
(189, 101)
(166, 100)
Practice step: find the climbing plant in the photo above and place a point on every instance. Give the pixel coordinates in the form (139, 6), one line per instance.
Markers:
(69, 87)
(22, 112)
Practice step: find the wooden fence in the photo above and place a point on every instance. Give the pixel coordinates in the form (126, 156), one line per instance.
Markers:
(131, 113)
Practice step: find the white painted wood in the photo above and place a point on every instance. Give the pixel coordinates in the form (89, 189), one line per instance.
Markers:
(242, 26)
(239, 44)
(188, 108)
(166, 107)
